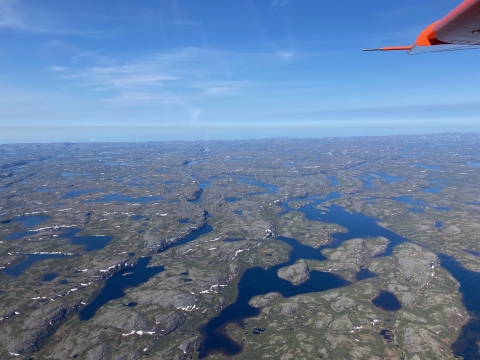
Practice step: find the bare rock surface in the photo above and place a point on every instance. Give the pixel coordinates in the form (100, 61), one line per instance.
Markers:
(296, 273)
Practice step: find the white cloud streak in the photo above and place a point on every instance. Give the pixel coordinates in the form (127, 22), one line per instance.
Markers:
(15, 16)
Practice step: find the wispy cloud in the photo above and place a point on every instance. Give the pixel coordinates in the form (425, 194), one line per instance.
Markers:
(58, 68)
(16, 16)
(178, 69)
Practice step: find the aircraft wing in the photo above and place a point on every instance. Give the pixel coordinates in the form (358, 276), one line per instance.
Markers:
(458, 30)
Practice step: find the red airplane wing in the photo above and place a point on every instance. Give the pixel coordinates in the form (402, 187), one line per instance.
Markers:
(459, 29)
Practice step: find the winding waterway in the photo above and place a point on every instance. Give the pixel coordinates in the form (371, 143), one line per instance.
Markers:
(115, 285)
(259, 281)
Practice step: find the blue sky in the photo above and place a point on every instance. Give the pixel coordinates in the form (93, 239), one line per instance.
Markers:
(121, 70)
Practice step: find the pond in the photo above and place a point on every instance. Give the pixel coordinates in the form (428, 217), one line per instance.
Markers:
(115, 285)
(30, 259)
(387, 301)
(90, 242)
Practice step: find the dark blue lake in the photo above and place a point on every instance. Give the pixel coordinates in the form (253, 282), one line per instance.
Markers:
(387, 301)
(115, 285)
(49, 276)
(365, 274)
(259, 281)
(29, 221)
(472, 203)
(233, 199)
(473, 252)
(367, 181)
(473, 164)
(30, 259)
(271, 189)
(70, 194)
(357, 225)
(466, 344)
(194, 235)
(191, 162)
(203, 185)
(20, 234)
(438, 224)
(388, 179)
(125, 198)
(333, 181)
(90, 242)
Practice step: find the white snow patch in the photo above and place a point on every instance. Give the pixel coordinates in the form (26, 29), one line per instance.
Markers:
(213, 288)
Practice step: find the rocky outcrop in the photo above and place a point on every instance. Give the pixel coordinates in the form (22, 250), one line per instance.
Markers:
(296, 273)
(261, 301)
(158, 244)
(168, 298)
(35, 329)
(115, 269)
(169, 322)
(291, 309)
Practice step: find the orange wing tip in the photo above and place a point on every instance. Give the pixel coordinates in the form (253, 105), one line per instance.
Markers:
(397, 48)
